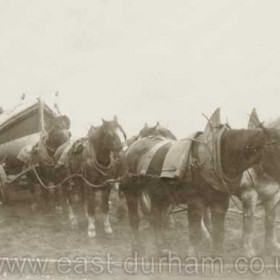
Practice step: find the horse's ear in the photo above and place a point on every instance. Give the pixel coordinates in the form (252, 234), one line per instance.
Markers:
(254, 121)
(104, 121)
(154, 127)
(146, 126)
(92, 130)
(213, 122)
(92, 127)
(115, 119)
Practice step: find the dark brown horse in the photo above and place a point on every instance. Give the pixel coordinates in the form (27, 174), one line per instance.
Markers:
(42, 154)
(154, 131)
(95, 159)
(218, 158)
(262, 184)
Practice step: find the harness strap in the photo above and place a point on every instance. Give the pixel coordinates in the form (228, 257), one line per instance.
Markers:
(43, 151)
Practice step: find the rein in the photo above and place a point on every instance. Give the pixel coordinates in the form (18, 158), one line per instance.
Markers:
(68, 178)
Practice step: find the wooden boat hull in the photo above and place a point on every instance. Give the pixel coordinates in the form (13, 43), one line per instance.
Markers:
(20, 130)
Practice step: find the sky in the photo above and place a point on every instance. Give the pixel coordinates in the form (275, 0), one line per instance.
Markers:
(143, 60)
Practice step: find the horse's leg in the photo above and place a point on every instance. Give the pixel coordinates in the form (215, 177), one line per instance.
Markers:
(58, 175)
(249, 199)
(46, 197)
(132, 198)
(121, 208)
(98, 205)
(69, 189)
(91, 227)
(90, 212)
(34, 196)
(196, 209)
(34, 187)
(58, 199)
(219, 207)
(158, 218)
(72, 217)
(271, 243)
(206, 224)
(168, 219)
(106, 210)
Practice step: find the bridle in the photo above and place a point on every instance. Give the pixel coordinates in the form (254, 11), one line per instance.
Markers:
(50, 150)
(122, 131)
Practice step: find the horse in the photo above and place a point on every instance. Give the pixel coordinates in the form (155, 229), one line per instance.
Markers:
(154, 131)
(218, 158)
(261, 184)
(95, 159)
(41, 157)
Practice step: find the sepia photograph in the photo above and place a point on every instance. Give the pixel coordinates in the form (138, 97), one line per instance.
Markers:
(139, 139)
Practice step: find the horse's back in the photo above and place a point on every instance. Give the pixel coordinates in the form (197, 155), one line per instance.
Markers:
(141, 152)
(161, 157)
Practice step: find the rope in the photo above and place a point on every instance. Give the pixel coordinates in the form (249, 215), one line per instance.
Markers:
(88, 183)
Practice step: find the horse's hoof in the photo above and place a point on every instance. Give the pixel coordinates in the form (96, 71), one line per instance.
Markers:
(170, 222)
(166, 253)
(137, 254)
(74, 223)
(58, 209)
(121, 212)
(217, 252)
(91, 233)
(249, 253)
(108, 230)
(34, 207)
(192, 252)
(76, 198)
(273, 248)
(138, 251)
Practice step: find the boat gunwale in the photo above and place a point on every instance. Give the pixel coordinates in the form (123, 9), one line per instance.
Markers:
(24, 114)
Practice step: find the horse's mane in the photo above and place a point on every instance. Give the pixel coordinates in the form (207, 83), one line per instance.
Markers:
(163, 131)
(156, 131)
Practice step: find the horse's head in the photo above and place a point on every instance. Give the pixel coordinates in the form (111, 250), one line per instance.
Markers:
(270, 161)
(271, 156)
(242, 149)
(147, 131)
(58, 134)
(238, 149)
(157, 130)
(108, 136)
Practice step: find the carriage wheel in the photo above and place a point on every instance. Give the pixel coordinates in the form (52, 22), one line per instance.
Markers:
(4, 186)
